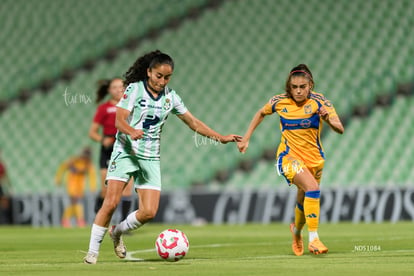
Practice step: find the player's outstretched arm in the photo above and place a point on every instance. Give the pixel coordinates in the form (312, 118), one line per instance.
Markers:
(257, 119)
(200, 127)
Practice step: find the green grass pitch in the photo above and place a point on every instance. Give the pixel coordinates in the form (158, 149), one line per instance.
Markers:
(252, 249)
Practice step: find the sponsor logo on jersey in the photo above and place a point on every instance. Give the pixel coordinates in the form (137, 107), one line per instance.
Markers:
(142, 102)
(111, 109)
(305, 123)
(284, 110)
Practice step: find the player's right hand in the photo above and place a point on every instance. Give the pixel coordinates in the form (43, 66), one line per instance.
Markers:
(230, 138)
(136, 134)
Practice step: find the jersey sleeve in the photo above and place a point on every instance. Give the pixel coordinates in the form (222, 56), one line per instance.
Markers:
(329, 107)
(99, 115)
(178, 105)
(128, 99)
(270, 106)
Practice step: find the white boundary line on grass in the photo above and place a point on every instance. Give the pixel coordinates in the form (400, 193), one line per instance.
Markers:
(130, 257)
(130, 254)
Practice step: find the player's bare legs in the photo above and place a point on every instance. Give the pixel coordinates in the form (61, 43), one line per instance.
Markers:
(148, 207)
(112, 198)
(149, 200)
(127, 199)
(102, 220)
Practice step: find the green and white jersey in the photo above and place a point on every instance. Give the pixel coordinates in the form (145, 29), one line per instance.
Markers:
(148, 114)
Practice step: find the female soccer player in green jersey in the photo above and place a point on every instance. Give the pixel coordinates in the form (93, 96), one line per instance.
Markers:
(140, 115)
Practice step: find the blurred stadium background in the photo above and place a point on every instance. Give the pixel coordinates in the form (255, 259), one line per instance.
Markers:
(231, 57)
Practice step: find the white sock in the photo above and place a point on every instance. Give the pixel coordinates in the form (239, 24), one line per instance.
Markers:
(313, 235)
(97, 235)
(128, 224)
(296, 231)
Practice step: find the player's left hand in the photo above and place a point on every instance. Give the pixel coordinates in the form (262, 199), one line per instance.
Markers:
(323, 113)
(230, 138)
(108, 142)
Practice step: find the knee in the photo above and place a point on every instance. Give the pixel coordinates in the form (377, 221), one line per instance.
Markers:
(312, 186)
(305, 182)
(146, 215)
(109, 204)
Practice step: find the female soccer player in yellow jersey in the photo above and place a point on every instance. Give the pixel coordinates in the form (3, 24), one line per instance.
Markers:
(73, 173)
(300, 156)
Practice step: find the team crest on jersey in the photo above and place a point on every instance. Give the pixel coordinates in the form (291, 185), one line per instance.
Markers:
(308, 109)
(125, 96)
(112, 167)
(167, 104)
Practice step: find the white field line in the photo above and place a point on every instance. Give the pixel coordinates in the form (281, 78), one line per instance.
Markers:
(130, 254)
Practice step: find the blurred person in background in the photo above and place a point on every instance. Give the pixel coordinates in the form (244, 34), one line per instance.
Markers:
(140, 116)
(73, 173)
(5, 195)
(300, 156)
(103, 131)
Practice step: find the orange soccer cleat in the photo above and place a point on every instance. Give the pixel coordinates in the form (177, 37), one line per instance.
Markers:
(297, 242)
(317, 247)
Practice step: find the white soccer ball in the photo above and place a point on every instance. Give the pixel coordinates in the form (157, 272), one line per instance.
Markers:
(172, 245)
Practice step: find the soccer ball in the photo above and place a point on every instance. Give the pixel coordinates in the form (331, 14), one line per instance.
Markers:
(172, 245)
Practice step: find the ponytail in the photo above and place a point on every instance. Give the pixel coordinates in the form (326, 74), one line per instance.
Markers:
(102, 90)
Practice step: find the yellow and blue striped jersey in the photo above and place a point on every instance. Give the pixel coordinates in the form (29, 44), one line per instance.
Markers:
(301, 126)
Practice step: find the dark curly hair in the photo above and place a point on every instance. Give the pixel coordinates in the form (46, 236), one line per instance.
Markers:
(138, 71)
(299, 70)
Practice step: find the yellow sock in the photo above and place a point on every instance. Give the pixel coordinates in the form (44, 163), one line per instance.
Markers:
(311, 207)
(299, 217)
(78, 209)
(68, 213)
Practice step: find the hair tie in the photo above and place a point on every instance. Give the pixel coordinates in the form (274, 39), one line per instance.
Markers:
(301, 71)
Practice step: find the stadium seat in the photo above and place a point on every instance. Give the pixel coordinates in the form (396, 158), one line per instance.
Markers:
(229, 62)
(68, 34)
